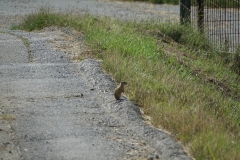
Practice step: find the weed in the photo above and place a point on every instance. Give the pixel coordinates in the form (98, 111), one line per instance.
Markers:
(236, 61)
(7, 117)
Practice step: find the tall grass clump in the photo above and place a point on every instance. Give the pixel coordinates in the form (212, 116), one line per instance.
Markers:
(184, 87)
(185, 35)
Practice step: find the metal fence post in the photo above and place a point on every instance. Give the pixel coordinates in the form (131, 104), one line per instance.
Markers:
(185, 11)
(201, 15)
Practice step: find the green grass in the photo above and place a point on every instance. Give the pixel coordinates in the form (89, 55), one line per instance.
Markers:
(7, 117)
(173, 74)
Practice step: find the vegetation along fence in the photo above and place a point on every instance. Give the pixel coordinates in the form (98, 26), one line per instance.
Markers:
(219, 19)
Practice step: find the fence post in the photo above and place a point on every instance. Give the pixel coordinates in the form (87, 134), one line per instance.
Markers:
(185, 11)
(201, 15)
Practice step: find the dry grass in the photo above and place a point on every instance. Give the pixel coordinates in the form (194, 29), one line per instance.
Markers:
(186, 108)
(7, 117)
(185, 87)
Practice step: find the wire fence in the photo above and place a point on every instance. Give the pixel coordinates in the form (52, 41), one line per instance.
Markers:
(219, 19)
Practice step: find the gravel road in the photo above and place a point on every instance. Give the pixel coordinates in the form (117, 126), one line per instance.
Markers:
(11, 12)
(55, 107)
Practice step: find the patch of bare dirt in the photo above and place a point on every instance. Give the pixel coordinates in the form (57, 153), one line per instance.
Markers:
(70, 42)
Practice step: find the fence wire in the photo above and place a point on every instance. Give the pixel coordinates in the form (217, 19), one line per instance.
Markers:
(221, 22)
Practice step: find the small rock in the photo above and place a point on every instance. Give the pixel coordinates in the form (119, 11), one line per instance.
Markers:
(142, 144)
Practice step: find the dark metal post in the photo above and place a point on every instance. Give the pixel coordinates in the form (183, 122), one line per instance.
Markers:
(201, 15)
(185, 11)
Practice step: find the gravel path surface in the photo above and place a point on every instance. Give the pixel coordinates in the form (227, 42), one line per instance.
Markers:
(12, 12)
(59, 108)
(55, 107)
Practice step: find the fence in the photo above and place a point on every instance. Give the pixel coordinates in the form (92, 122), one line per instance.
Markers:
(219, 19)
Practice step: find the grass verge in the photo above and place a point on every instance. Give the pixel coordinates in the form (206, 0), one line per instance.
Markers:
(184, 86)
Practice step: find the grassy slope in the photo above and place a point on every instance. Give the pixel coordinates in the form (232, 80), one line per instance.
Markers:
(188, 91)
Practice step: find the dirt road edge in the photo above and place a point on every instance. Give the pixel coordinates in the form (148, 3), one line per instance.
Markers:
(164, 143)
